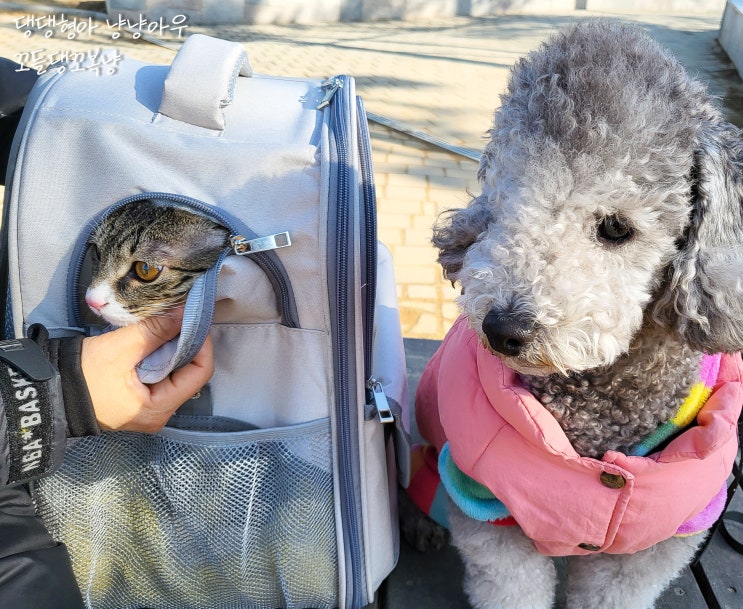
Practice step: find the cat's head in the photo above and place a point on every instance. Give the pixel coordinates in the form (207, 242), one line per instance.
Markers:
(146, 257)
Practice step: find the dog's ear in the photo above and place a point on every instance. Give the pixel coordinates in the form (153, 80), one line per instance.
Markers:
(703, 298)
(456, 230)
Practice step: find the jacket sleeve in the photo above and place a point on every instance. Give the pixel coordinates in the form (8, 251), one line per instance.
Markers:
(38, 411)
(32, 419)
(15, 85)
(43, 395)
(35, 571)
(64, 355)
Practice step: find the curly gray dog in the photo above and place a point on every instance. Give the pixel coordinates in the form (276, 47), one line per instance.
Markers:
(602, 260)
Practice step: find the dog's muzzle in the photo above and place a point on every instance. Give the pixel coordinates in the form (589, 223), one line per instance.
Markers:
(507, 333)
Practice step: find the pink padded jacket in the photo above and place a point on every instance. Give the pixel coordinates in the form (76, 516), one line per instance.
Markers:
(501, 436)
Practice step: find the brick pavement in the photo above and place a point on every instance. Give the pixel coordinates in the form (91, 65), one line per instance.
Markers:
(440, 78)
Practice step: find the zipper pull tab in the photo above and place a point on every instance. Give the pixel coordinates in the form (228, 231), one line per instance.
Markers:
(243, 246)
(384, 412)
(331, 86)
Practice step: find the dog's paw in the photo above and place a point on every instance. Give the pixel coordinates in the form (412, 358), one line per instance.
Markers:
(417, 528)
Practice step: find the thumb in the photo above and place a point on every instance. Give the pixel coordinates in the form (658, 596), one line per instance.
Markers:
(146, 336)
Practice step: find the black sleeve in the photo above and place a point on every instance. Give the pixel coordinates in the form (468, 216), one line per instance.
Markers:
(64, 355)
(15, 85)
(35, 571)
(8, 125)
(81, 420)
(38, 411)
(14, 89)
(33, 426)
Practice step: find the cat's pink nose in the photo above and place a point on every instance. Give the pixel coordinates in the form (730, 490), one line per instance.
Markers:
(95, 301)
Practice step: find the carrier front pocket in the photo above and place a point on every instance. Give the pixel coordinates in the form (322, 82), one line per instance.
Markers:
(189, 519)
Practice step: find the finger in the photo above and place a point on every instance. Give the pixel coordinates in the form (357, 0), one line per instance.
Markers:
(144, 337)
(199, 370)
(188, 380)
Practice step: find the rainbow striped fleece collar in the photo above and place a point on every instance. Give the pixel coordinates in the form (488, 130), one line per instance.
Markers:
(688, 410)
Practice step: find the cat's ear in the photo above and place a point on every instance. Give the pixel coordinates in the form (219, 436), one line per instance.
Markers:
(218, 236)
(201, 239)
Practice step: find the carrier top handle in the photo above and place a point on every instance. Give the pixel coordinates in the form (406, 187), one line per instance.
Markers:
(214, 65)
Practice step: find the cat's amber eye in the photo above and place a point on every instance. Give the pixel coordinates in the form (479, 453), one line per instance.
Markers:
(146, 272)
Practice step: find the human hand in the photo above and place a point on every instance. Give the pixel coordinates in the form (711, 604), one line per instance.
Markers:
(123, 403)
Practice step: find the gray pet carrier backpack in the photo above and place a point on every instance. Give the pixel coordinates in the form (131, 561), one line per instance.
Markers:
(276, 487)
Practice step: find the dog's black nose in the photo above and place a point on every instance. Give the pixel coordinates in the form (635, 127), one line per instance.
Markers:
(507, 333)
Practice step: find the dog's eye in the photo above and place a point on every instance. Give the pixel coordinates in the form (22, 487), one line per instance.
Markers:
(614, 229)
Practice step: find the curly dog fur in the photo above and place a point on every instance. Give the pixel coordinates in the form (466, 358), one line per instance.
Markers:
(603, 257)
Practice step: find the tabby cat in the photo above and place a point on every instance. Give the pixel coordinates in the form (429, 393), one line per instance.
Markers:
(146, 256)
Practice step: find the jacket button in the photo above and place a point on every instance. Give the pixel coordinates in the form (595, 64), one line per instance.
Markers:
(589, 546)
(612, 480)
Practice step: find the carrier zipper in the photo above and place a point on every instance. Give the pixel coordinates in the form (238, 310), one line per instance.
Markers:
(379, 401)
(270, 265)
(346, 415)
(370, 239)
(242, 246)
(331, 86)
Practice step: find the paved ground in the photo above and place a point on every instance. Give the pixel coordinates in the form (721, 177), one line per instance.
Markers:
(440, 79)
